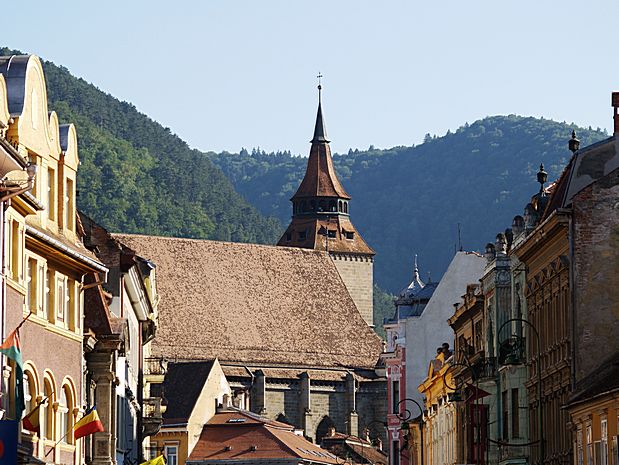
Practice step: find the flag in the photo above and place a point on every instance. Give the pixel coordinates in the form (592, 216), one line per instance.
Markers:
(31, 420)
(88, 424)
(475, 393)
(8, 442)
(160, 460)
(11, 349)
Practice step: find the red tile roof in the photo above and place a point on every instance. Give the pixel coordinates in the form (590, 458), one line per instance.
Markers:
(239, 435)
(254, 304)
(320, 179)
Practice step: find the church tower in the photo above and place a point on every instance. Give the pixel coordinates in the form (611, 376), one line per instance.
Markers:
(321, 221)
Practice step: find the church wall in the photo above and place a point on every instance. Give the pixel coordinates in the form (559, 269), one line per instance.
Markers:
(357, 272)
(372, 406)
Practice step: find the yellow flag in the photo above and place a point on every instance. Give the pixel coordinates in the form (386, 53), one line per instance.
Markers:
(156, 461)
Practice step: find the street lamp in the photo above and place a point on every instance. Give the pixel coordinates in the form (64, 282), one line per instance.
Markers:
(406, 415)
(508, 358)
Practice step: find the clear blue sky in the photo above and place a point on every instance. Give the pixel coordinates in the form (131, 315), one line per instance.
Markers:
(230, 74)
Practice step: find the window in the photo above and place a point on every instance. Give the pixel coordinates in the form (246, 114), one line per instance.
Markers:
(171, 453)
(350, 235)
(479, 339)
(515, 414)
(152, 450)
(48, 412)
(505, 415)
(32, 269)
(395, 396)
(589, 446)
(51, 194)
(395, 453)
(604, 442)
(29, 394)
(15, 250)
(332, 233)
(579, 451)
(63, 411)
(69, 217)
(61, 298)
(72, 306)
(49, 295)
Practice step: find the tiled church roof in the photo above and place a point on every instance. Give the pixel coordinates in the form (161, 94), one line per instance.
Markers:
(253, 303)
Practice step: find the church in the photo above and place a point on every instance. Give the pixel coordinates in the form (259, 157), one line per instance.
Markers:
(290, 324)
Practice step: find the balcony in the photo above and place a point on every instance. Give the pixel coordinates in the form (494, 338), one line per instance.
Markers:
(153, 415)
(155, 369)
(485, 368)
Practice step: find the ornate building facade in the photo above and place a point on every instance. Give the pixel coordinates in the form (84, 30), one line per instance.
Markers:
(45, 265)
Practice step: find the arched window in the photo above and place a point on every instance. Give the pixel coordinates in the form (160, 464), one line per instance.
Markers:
(323, 428)
(345, 207)
(30, 392)
(65, 410)
(340, 206)
(47, 425)
(332, 207)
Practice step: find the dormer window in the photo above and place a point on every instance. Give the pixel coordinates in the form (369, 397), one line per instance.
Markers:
(350, 235)
(332, 233)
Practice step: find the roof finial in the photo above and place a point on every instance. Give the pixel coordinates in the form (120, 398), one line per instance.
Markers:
(416, 269)
(320, 132)
(542, 177)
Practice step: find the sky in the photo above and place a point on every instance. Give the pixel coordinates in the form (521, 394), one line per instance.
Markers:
(230, 74)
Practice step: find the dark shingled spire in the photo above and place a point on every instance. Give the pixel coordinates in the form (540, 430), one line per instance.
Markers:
(320, 132)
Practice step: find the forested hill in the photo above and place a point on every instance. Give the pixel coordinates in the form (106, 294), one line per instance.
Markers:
(138, 177)
(409, 200)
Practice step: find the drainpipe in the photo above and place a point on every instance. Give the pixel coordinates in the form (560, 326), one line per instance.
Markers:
(572, 300)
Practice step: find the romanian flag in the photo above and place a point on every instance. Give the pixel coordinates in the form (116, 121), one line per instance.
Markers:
(11, 349)
(89, 424)
(31, 420)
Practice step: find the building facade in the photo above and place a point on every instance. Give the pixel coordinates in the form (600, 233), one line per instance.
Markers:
(439, 428)
(45, 267)
(410, 303)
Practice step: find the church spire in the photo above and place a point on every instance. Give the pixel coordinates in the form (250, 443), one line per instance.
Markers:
(320, 131)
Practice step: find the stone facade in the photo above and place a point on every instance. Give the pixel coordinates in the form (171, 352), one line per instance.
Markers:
(357, 272)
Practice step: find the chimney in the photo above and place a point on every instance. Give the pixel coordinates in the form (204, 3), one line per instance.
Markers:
(615, 104)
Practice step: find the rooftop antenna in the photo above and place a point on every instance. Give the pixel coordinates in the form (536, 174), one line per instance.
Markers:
(459, 239)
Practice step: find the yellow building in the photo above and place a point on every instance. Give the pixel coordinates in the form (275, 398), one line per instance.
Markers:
(439, 429)
(594, 412)
(45, 263)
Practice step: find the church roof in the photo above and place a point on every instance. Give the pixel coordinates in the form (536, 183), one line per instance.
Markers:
(320, 179)
(255, 304)
(306, 233)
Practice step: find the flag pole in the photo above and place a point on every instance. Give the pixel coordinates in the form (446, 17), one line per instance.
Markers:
(58, 442)
(23, 321)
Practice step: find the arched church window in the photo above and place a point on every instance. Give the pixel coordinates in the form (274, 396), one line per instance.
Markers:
(341, 207)
(323, 428)
(345, 207)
